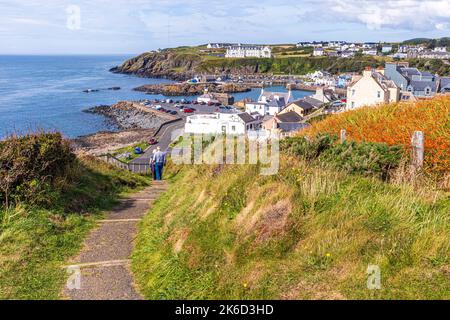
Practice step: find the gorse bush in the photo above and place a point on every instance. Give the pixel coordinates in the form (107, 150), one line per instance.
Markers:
(370, 159)
(394, 124)
(30, 165)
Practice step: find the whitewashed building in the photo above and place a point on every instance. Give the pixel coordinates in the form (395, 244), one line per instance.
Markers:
(370, 89)
(248, 51)
(206, 98)
(318, 52)
(222, 123)
(269, 103)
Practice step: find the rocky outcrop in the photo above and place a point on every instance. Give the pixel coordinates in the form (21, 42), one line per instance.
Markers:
(186, 89)
(126, 115)
(166, 64)
(178, 65)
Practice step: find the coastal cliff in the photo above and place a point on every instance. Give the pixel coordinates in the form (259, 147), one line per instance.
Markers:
(178, 64)
(166, 64)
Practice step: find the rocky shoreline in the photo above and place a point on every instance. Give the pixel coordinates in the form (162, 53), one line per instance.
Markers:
(186, 89)
(126, 116)
(134, 123)
(106, 141)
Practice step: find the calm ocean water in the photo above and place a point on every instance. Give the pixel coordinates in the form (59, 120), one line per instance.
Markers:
(46, 92)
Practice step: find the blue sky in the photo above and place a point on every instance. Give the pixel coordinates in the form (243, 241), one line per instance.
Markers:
(134, 26)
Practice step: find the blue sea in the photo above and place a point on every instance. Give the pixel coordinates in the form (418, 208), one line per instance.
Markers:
(46, 92)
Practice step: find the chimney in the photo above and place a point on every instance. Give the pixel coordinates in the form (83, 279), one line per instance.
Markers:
(367, 72)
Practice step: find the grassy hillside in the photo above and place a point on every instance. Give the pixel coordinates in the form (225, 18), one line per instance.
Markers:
(395, 124)
(49, 213)
(306, 233)
(312, 230)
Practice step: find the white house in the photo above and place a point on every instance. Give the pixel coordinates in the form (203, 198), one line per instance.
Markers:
(318, 51)
(372, 88)
(269, 103)
(440, 49)
(370, 52)
(244, 51)
(386, 49)
(206, 98)
(221, 123)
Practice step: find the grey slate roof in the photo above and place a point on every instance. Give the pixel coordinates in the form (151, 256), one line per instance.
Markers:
(246, 117)
(316, 103)
(304, 104)
(422, 85)
(444, 85)
(290, 116)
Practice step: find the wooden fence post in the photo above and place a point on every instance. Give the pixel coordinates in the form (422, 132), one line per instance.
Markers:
(343, 135)
(417, 143)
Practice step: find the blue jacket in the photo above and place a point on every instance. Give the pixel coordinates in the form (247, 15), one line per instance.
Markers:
(159, 157)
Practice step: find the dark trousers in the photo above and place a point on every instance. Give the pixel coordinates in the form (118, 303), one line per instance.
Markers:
(152, 166)
(159, 170)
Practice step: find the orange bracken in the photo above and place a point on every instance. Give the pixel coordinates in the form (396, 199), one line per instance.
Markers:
(394, 124)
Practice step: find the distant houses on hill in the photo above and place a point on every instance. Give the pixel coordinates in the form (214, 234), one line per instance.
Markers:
(248, 51)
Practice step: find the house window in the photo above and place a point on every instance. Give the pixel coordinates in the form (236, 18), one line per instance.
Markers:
(378, 94)
(353, 92)
(353, 104)
(224, 129)
(427, 91)
(233, 128)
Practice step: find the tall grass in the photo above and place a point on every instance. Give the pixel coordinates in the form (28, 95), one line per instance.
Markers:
(225, 232)
(39, 231)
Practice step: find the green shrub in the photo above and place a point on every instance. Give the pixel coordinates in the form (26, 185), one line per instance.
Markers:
(30, 165)
(370, 159)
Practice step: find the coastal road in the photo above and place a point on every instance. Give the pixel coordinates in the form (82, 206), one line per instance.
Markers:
(164, 137)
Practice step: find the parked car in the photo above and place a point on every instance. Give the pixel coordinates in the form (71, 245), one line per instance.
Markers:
(158, 107)
(153, 141)
(173, 112)
(169, 101)
(195, 102)
(188, 110)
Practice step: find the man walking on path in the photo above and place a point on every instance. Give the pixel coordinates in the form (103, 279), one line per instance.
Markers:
(159, 159)
(152, 165)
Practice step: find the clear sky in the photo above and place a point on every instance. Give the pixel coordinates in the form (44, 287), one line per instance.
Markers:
(134, 26)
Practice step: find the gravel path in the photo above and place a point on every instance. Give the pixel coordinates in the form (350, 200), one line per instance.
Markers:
(101, 271)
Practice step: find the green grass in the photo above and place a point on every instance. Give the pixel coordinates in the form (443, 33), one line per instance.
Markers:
(143, 145)
(35, 242)
(226, 232)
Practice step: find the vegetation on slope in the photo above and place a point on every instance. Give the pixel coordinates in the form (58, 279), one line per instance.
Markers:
(55, 199)
(227, 232)
(184, 62)
(394, 124)
(312, 230)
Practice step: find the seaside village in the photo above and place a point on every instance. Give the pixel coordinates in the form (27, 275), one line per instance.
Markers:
(279, 113)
